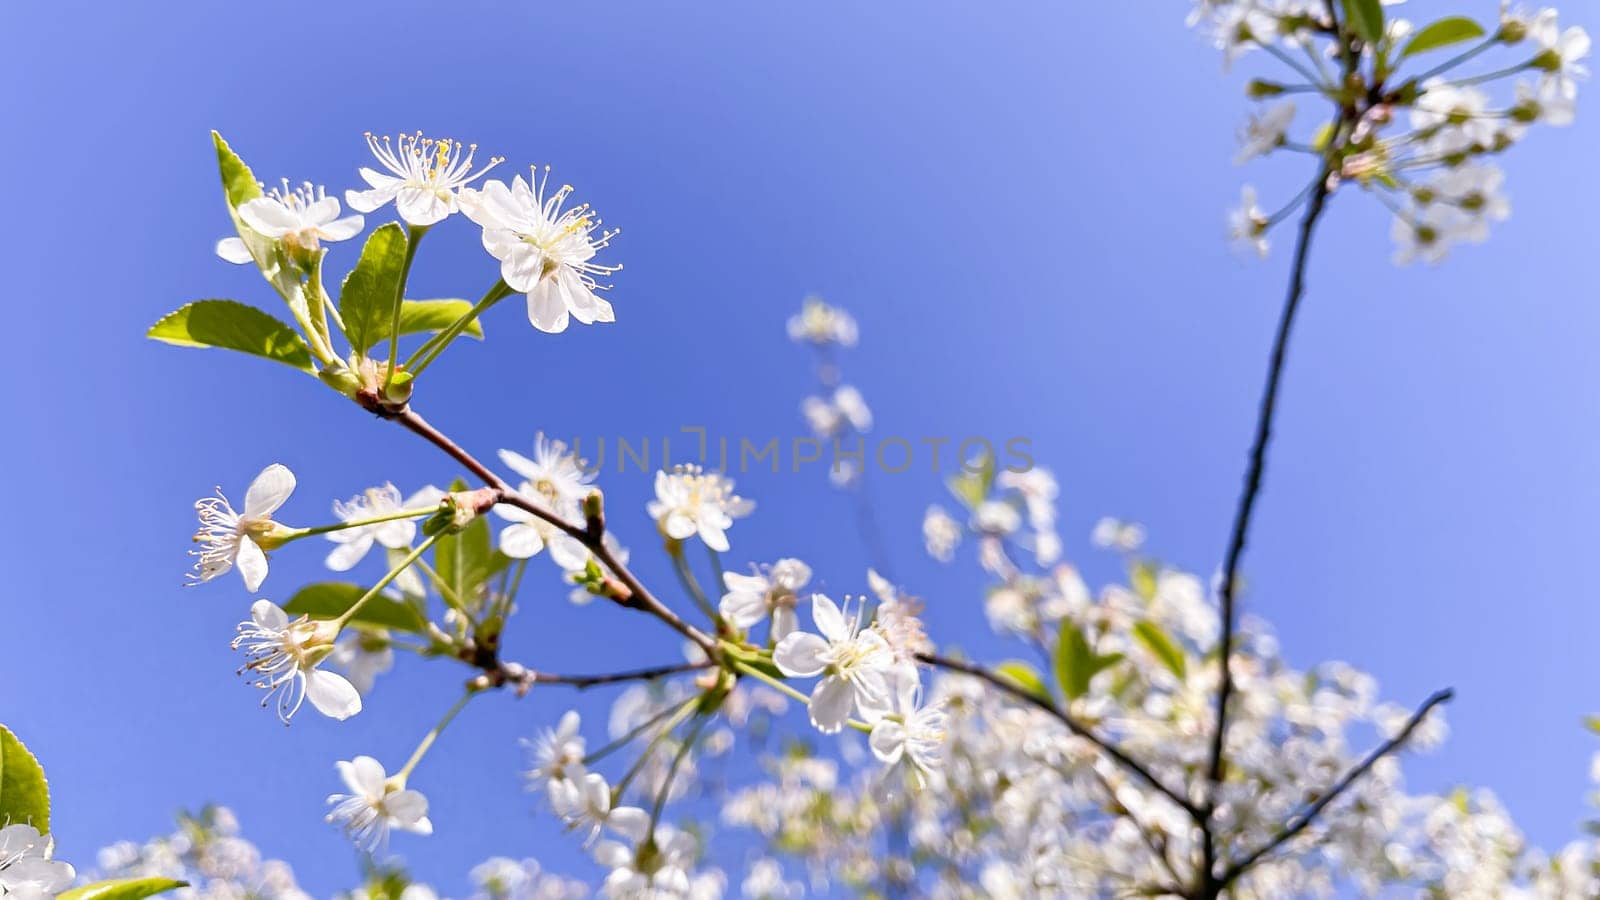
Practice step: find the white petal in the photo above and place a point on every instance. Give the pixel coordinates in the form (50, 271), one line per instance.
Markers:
(830, 704)
(268, 217)
(396, 535)
(406, 807)
(252, 564)
(630, 821)
(784, 622)
(744, 608)
(268, 491)
(546, 310)
(364, 776)
(714, 536)
(332, 694)
(367, 201)
(268, 615)
(679, 526)
(421, 206)
(888, 741)
(568, 552)
(830, 621)
(233, 250)
(342, 229)
(345, 556)
(801, 655)
(520, 541)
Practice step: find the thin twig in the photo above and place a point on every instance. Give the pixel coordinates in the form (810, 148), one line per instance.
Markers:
(1104, 745)
(1303, 819)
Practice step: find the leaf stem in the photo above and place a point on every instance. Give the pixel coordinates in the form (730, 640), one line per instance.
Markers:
(394, 573)
(431, 348)
(414, 235)
(431, 736)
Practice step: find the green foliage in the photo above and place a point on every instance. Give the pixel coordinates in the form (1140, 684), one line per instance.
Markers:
(1162, 646)
(1075, 661)
(466, 560)
(24, 793)
(123, 889)
(366, 299)
(1443, 33)
(417, 316)
(233, 326)
(330, 599)
(1365, 18)
(971, 486)
(238, 182)
(1026, 677)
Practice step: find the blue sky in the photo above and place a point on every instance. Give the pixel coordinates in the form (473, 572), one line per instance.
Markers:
(1021, 202)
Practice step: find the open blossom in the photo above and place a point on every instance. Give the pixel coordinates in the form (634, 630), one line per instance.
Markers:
(854, 662)
(660, 872)
(375, 805)
(910, 730)
(424, 176)
(545, 251)
(753, 598)
(302, 218)
(363, 658)
(940, 533)
(821, 324)
(1247, 225)
(397, 534)
(556, 480)
(26, 870)
(898, 620)
(557, 753)
(229, 538)
(1265, 132)
(284, 657)
(584, 803)
(1560, 52)
(689, 502)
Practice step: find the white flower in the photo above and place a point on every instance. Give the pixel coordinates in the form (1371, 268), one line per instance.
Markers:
(227, 538)
(423, 178)
(372, 503)
(752, 598)
(1247, 226)
(284, 656)
(911, 731)
(1113, 534)
(1457, 114)
(584, 803)
(556, 481)
(689, 502)
(300, 217)
(940, 533)
(544, 251)
(995, 517)
(828, 417)
(853, 662)
(765, 882)
(1476, 191)
(557, 753)
(375, 805)
(361, 661)
(661, 873)
(1559, 56)
(820, 324)
(897, 619)
(1264, 133)
(26, 870)
(1425, 233)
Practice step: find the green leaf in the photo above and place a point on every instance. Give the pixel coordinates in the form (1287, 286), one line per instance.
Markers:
(123, 889)
(24, 793)
(329, 600)
(1443, 33)
(466, 560)
(417, 316)
(238, 182)
(366, 299)
(1143, 579)
(1074, 660)
(1026, 677)
(1162, 647)
(233, 326)
(1365, 18)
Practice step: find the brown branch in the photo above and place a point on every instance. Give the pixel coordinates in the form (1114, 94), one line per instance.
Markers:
(1302, 820)
(1104, 745)
(591, 537)
(524, 678)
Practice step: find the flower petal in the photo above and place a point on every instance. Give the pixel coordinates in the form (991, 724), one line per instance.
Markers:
(332, 695)
(233, 250)
(830, 621)
(801, 655)
(830, 704)
(268, 491)
(252, 564)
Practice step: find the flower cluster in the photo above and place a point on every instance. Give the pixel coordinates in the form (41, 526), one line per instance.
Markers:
(1418, 137)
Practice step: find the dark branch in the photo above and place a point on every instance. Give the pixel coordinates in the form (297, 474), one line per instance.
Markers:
(524, 678)
(1104, 745)
(1303, 820)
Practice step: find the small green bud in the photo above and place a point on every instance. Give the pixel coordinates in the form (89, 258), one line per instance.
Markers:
(1259, 89)
(340, 378)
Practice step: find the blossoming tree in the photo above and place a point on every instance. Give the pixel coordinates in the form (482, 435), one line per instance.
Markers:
(1147, 738)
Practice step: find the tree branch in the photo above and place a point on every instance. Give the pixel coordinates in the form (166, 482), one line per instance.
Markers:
(1302, 820)
(593, 538)
(1104, 745)
(524, 678)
